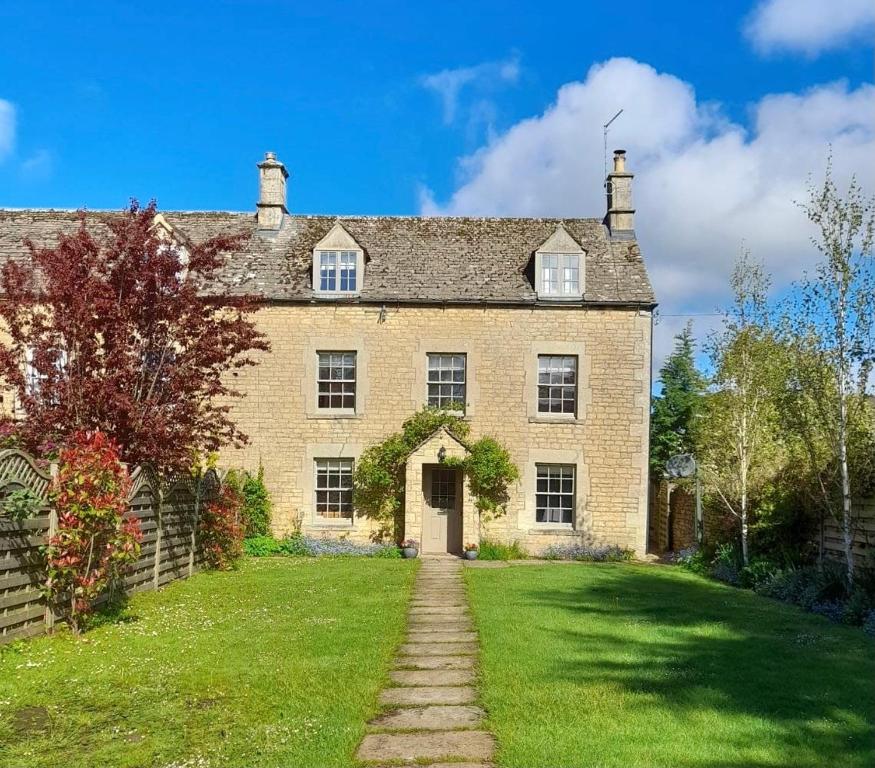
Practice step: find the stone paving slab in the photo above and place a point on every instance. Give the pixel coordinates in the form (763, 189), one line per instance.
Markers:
(439, 610)
(434, 718)
(438, 649)
(439, 598)
(434, 662)
(432, 677)
(421, 696)
(437, 618)
(477, 745)
(417, 636)
(439, 765)
(450, 626)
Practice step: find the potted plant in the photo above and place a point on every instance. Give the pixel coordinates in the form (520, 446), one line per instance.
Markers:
(471, 551)
(409, 548)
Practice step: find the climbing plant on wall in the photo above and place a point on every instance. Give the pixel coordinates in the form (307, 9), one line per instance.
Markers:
(379, 475)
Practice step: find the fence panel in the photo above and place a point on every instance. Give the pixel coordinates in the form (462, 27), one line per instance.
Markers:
(145, 501)
(168, 518)
(22, 606)
(864, 534)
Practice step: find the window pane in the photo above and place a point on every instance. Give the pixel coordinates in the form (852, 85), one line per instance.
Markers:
(334, 488)
(554, 497)
(557, 380)
(336, 380)
(327, 271)
(446, 380)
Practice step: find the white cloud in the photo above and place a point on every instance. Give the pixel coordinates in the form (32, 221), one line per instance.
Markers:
(7, 127)
(448, 84)
(704, 184)
(809, 26)
(38, 165)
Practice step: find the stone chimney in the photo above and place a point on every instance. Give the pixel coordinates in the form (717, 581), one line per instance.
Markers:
(621, 215)
(272, 175)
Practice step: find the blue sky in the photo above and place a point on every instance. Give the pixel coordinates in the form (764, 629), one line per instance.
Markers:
(446, 107)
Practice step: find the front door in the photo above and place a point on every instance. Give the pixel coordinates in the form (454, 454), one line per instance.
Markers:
(442, 511)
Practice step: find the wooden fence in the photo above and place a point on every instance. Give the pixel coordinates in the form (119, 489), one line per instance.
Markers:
(863, 532)
(168, 512)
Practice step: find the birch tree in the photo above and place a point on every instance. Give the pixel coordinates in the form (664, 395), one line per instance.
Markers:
(738, 436)
(832, 335)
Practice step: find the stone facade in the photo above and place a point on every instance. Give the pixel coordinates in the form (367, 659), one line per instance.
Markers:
(499, 291)
(606, 441)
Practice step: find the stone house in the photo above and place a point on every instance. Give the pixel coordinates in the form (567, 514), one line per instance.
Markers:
(539, 329)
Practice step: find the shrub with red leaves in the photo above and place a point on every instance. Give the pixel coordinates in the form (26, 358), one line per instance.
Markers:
(95, 543)
(220, 529)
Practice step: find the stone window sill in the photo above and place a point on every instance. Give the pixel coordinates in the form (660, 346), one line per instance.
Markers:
(543, 419)
(328, 525)
(553, 530)
(334, 415)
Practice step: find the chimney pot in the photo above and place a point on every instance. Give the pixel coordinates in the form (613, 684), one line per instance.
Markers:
(619, 160)
(272, 175)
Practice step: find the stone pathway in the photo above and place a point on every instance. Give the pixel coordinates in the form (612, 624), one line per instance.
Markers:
(432, 720)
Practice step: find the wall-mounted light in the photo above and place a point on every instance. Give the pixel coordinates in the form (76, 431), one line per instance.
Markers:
(442, 454)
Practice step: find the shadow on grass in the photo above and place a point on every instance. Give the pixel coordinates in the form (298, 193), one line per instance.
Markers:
(696, 646)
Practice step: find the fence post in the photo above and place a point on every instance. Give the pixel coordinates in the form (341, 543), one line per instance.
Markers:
(159, 534)
(53, 529)
(197, 510)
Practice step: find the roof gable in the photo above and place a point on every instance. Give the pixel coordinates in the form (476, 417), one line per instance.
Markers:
(337, 239)
(560, 242)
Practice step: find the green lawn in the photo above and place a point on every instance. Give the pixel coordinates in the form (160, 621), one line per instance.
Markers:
(634, 666)
(277, 664)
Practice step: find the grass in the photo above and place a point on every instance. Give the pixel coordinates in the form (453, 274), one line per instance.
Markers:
(277, 664)
(647, 666)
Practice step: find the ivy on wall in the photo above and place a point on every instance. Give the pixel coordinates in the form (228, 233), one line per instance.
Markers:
(379, 475)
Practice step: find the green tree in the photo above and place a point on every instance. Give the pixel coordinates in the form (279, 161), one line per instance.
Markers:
(739, 449)
(675, 412)
(830, 329)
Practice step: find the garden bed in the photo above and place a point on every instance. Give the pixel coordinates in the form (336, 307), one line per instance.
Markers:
(614, 665)
(278, 663)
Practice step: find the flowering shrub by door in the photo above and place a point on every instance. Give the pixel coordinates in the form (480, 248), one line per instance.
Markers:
(95, 543)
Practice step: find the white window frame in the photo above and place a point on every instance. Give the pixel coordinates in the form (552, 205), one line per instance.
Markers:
(330, 380)
(559, 385)
(559, 285)
(33, 379)
(562, 468)
(323, 467)
(439, 383)
(343, 259)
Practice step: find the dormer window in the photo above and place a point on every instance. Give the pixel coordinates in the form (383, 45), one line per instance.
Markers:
(559, 267)
(338, 271)
(560, 274)
(338, 264)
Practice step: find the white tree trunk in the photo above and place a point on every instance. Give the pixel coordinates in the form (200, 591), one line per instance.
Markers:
(847, 528)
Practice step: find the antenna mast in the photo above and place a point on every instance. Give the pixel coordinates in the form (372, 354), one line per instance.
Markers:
(605, 126)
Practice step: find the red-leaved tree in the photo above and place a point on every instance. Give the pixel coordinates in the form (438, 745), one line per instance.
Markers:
(111, 329)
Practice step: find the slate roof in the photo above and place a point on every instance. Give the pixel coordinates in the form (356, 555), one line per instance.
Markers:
(408, 259)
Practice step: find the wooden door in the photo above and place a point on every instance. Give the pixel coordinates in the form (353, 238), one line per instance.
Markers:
(442, 511)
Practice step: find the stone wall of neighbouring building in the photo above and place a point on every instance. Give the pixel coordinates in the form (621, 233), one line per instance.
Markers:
(606, 442)
(672, 524)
